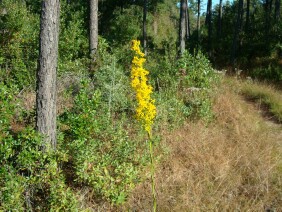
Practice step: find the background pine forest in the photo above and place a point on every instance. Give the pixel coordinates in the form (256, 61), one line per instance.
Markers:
(102, 153)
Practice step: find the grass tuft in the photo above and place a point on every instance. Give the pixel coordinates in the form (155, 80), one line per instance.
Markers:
(265, 95)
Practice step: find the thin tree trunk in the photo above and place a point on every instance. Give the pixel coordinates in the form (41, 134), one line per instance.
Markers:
(198, 23)
(182, 26)
(236, 33)
(145, 27)
(93, 37)
(219, 28)
(187, 23)
(46, 74)
(208, 23)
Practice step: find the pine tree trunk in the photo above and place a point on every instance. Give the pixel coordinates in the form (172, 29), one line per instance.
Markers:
(182, 26)
(187, 22)
(198, 23)
(93, 37)
(208, 23)
(46, 74)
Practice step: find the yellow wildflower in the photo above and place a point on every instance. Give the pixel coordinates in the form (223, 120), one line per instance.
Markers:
(146, 109)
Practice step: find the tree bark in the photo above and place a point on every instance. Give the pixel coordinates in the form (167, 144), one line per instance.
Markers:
(46, 74)
(198, 23)
(208, 23)
(145, 27)
(182, 26)
(93, 37)
(187, 23)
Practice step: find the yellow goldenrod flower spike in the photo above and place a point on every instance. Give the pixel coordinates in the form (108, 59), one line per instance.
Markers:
(146, 109)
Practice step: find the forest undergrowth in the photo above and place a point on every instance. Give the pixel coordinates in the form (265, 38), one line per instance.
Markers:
(213, 148)
(231, 164)
(215, 144)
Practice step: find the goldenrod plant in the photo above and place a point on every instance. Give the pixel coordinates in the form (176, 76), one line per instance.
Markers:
(146, 109)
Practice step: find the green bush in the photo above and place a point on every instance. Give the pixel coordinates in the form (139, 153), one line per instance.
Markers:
(112, 80)
(12, 187)
(30, 178)
(171, 110)
(7, 107)
(197, 81)
(102, 155)
(19, 58)
(197, 69)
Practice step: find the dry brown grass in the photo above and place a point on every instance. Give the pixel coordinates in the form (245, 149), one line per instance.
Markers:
(232, 164)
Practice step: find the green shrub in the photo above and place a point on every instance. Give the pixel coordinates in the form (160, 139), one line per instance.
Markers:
(112, 80)
(197, 70)
(12, 187)
(61, 197)
(30, 178)
(102, 154)
(20, 56)
(7, 107)
(171, 110)
(197, 81)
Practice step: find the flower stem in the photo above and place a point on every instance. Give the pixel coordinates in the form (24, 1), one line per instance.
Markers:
(152, 173)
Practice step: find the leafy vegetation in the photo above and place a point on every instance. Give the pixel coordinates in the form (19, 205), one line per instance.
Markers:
(102, 155)
(199, 77)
